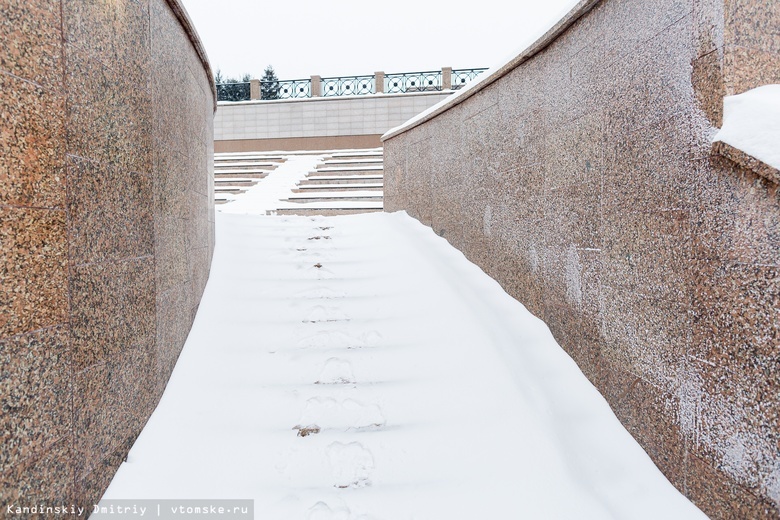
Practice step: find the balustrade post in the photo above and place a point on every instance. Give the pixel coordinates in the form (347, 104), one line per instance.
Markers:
(254, 89)
(316, 86)
(379, 82)
(446, 78)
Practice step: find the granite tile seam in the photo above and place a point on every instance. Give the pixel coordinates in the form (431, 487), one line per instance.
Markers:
(690, 13)
(105, 64)
(64, 85)
(35, 331)
(103, 164)
(39, 451)
(31, 82)
(4, 205)
(485, 109)
(109, 360)
(113, 261)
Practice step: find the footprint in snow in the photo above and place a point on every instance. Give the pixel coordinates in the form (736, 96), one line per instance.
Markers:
(321, 314)
(317, 273)
(336, 372)
(349, 414)
(322, 511)
(337, 339)
(351, 464)
(330, 339)
(320, 293)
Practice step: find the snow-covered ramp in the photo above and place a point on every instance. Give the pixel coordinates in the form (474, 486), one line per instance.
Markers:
(358, 367)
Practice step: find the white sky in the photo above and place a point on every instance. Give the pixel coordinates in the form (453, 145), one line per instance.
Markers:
(349, 37)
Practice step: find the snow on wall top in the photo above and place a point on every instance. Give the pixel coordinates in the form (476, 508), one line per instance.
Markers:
(534, 42)
(751, 123)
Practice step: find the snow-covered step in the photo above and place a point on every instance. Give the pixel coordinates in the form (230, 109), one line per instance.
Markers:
(235, 179)
(349, 184)
(248, 155)
(325, 212)
(350, 181)
(235, 182)
(245, 164)
(228, 189)
(244, 171)
(318, 200)
(347, 176)
(336, 186)
(253, 176)
(329, 169)
(351, 166)
(348, 162)
(333, 204)
(336, 196)
(367, 153)
(365, 174)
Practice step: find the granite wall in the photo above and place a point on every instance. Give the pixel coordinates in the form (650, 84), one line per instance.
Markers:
(581, 176)
(106, 231)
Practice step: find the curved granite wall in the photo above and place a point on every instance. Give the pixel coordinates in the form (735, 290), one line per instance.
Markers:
(106, 231)
(581, 176)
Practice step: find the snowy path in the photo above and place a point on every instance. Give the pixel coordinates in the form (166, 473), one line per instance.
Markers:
(358, 367)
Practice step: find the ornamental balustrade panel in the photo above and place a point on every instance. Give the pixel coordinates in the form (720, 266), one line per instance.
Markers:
(396, 83)
(233, 91)
(348, 86)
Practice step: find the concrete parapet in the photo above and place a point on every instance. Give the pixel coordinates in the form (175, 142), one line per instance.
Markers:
(317, 122)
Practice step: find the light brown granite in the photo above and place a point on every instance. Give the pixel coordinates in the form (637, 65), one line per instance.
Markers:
(106, 231)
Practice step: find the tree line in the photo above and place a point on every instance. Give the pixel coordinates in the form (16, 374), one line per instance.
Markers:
(237, 89)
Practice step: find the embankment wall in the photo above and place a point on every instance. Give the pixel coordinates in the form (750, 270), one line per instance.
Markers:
(106, 231)
(581, 175)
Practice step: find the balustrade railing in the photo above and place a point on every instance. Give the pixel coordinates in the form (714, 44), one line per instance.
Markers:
(462, 76)
(396, 83)
(234, 91)
(288, 89)
(413, 82)
(348, 86)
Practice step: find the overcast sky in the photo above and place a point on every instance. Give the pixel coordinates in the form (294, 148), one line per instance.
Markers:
(350, 37)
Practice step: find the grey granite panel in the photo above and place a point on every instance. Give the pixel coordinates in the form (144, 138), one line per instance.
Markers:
(584, 181)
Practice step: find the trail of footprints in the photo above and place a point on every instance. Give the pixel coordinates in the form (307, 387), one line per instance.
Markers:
(339, 411)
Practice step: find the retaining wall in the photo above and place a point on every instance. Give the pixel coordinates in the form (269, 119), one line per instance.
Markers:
(106, 231)
(315, 123)
(582, 177)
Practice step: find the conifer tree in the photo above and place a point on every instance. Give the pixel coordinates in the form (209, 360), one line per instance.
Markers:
(269, 84)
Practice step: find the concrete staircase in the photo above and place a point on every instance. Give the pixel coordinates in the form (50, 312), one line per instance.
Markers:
(234, 173)
(345, 183)
(333, 183)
